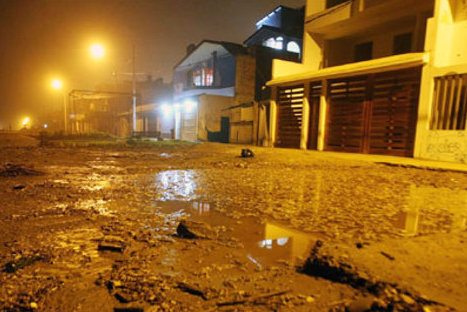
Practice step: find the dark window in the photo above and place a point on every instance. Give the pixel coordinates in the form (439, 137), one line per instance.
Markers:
(189, 78)
(331, 3)
(363, 51)
(403, 43)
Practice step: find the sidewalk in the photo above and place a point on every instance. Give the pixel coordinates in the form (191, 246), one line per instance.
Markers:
(399, 161)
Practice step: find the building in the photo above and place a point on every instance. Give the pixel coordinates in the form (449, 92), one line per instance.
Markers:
(377, 77)
(278, 35)
(213, 76)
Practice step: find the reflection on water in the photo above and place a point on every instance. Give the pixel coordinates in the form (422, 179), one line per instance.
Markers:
(425, 200)
(264, 242)
(176, 184)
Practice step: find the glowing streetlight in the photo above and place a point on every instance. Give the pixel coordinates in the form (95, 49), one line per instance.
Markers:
(26, 122)
(57, 84)
(97, 51)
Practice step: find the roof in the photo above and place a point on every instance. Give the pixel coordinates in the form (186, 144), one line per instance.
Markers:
(229, 47)
(394, 62)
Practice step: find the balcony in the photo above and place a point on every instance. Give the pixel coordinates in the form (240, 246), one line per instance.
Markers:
(358, 16)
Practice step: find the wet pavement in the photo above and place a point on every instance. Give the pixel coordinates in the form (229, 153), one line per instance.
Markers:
(104, 221)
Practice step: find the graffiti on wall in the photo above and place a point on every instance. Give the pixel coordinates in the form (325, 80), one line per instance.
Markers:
(447, 146)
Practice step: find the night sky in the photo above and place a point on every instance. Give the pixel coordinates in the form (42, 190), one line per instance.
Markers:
(42, 39)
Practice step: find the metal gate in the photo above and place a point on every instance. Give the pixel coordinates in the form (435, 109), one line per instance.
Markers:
(289, 116)
(374, 114)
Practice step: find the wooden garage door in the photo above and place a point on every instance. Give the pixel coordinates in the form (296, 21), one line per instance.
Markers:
(374, 114)
(289, 116)
(394, 112)
(345, 116)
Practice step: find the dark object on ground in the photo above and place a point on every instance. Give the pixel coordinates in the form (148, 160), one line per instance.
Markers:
(254, 299)
(390, 297)
(110, 246)
(122, 297)
(247, 153)
(129, 309)
(19, 187)
(13, 266)
(388, 256)
(12, 170)
(111, 243)
(192, 290)
(193, 229)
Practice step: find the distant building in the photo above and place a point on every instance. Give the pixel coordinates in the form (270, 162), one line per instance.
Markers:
(213, 76)
(109, 109)
(378, 77)
(278, 36)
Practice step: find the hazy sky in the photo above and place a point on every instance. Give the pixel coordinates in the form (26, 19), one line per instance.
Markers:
(41, 39)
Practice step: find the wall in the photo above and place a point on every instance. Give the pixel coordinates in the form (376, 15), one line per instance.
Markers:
(245, 79)
(445, 29)
(341, 51)
(210, 110)
(446, 146)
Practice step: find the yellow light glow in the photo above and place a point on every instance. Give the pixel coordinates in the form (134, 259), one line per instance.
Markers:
(97, 51)
(26, 121)
(57, 84)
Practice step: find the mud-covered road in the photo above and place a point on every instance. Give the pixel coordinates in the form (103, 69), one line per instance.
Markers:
(95, 229)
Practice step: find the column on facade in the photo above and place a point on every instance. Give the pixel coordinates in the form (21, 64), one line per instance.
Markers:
(323, 107)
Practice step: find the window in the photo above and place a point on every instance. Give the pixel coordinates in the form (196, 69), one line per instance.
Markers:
(292, 46)
(279, 43)
(402, 43)
(363, 52)
(449, 103)
(271, 43)
(203, 77)
(331, 3)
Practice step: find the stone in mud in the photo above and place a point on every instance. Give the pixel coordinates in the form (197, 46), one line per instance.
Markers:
(361, 305)
(111, 243)
(193, 230)
(13, 266)
(123, 297)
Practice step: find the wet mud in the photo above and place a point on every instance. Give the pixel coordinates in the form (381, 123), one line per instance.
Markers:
(198, 228)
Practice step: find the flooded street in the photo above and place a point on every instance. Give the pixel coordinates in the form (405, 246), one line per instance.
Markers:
(99, 229)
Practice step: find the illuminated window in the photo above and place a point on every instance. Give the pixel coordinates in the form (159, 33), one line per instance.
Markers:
(449, 103)
(279, 43)
(271, 43)
(292, 46)
(203, 77)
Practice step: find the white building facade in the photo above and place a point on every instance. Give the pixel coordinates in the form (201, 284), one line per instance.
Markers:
(377, 77)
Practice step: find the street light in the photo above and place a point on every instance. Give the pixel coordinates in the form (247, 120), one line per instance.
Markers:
(98, 51)
(57, 84)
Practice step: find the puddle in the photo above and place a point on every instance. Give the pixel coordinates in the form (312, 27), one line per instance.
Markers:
(176, 185)
(264, 242)
(430, 208)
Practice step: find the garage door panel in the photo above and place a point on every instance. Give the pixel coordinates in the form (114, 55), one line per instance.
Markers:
(289, 110)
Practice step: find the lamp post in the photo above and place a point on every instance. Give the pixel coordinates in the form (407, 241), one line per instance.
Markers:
(98, 51)
(57, 84)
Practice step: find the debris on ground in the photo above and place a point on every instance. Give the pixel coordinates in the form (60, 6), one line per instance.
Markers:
(12, 170)
(195, 230)
(325, 264)
(247, 153)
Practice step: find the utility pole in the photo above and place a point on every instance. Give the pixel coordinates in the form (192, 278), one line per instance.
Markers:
(134, 90)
